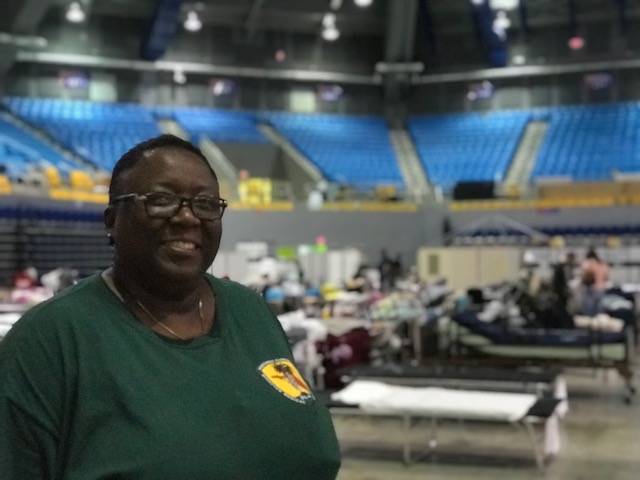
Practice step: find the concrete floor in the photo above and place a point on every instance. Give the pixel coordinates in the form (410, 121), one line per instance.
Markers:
(600, 440)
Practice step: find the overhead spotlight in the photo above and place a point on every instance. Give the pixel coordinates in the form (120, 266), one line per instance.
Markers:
(477, 2)
(192, 23)
(502, 20)
(75, 14)
(519, 59)
(504, 4)
(329, 20)
(363, 3)
(179, 77)
(331, 34)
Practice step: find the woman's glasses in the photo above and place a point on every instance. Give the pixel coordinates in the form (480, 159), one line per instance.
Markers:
(166, 205)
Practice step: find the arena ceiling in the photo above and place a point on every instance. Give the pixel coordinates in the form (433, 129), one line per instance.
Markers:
(391, 21)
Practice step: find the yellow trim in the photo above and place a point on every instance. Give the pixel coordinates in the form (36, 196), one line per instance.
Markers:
(370, 206)
(286, 206)
(501, 204)
(78, 195)
(5, 185)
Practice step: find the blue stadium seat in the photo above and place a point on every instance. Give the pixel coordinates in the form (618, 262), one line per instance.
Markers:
(354, 150)
(590, 142)
(99, 132)
(467, 147)
(20, 150)
(216, 124)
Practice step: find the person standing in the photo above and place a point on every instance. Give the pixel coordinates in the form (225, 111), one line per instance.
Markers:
(594, 275)
(154, 369)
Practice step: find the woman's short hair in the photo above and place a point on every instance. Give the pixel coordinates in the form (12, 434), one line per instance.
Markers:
(143, 149)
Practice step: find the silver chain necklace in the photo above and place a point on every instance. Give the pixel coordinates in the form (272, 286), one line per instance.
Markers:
(166, 327)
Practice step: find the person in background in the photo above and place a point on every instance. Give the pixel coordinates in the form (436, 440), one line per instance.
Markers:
(594, 275)
(562, 280)
(154, 369)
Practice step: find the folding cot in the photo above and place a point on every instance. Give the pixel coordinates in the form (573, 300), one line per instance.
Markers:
(522, 410)
(465, 339)
(544, 382)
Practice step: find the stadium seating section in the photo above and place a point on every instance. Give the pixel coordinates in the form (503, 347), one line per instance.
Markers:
(467, 147)
(217, 125)
(99, 132)
(584, 143)
(19, 150)
(347, 149)
(590, 142)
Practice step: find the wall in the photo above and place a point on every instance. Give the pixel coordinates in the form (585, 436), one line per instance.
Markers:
(398, 233)
(560, 217)
(158, 88)
(259, 160)
(523, 93)
(79, 239)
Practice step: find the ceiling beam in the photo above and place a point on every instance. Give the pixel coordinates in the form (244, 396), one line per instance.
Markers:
(527, 71)
(92, 61)
(301, 19)
(23, 16)
(250, 22)
(402, 17)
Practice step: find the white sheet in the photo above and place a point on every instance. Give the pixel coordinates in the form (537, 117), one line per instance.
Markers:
(601, 323)
(4, 329)
(9, 318)
(378, 397)
(6, 322)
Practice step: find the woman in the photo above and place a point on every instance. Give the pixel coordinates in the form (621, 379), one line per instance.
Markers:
(154, 369)
(594, 276)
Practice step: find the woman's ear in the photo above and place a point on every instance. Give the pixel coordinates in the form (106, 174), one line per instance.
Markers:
(109, 217)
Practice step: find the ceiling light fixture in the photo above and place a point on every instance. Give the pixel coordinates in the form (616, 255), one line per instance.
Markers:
(192, 23)
(363, 3)
(329, 20)
(331, 34)
(75, 14)
(179, 77)
(502, 20)
(504, 4)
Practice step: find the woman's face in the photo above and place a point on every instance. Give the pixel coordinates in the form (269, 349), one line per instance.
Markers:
(158, 250)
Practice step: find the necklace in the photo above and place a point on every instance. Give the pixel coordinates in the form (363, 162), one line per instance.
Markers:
(108, 278)
(166, 327)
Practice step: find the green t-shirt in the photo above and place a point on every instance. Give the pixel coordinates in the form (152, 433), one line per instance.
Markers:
(87, 392)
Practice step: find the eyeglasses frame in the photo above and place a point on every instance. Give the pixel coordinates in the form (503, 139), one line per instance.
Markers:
(223, 204)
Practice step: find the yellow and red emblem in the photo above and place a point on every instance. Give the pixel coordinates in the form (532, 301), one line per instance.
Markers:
(283, 375)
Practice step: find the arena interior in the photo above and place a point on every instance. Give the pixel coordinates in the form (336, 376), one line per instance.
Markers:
(413, 185)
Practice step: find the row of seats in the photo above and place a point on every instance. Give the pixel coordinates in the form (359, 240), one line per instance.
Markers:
(352, 150)
(19, 150)
(579, 230)
(467, 147)
(582, 142)
(346, 149)
(590, 144)
(218, 125)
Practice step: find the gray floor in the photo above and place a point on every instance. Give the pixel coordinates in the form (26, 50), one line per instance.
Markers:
(600, 440)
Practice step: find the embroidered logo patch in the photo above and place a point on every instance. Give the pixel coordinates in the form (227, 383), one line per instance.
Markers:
(284, 377)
